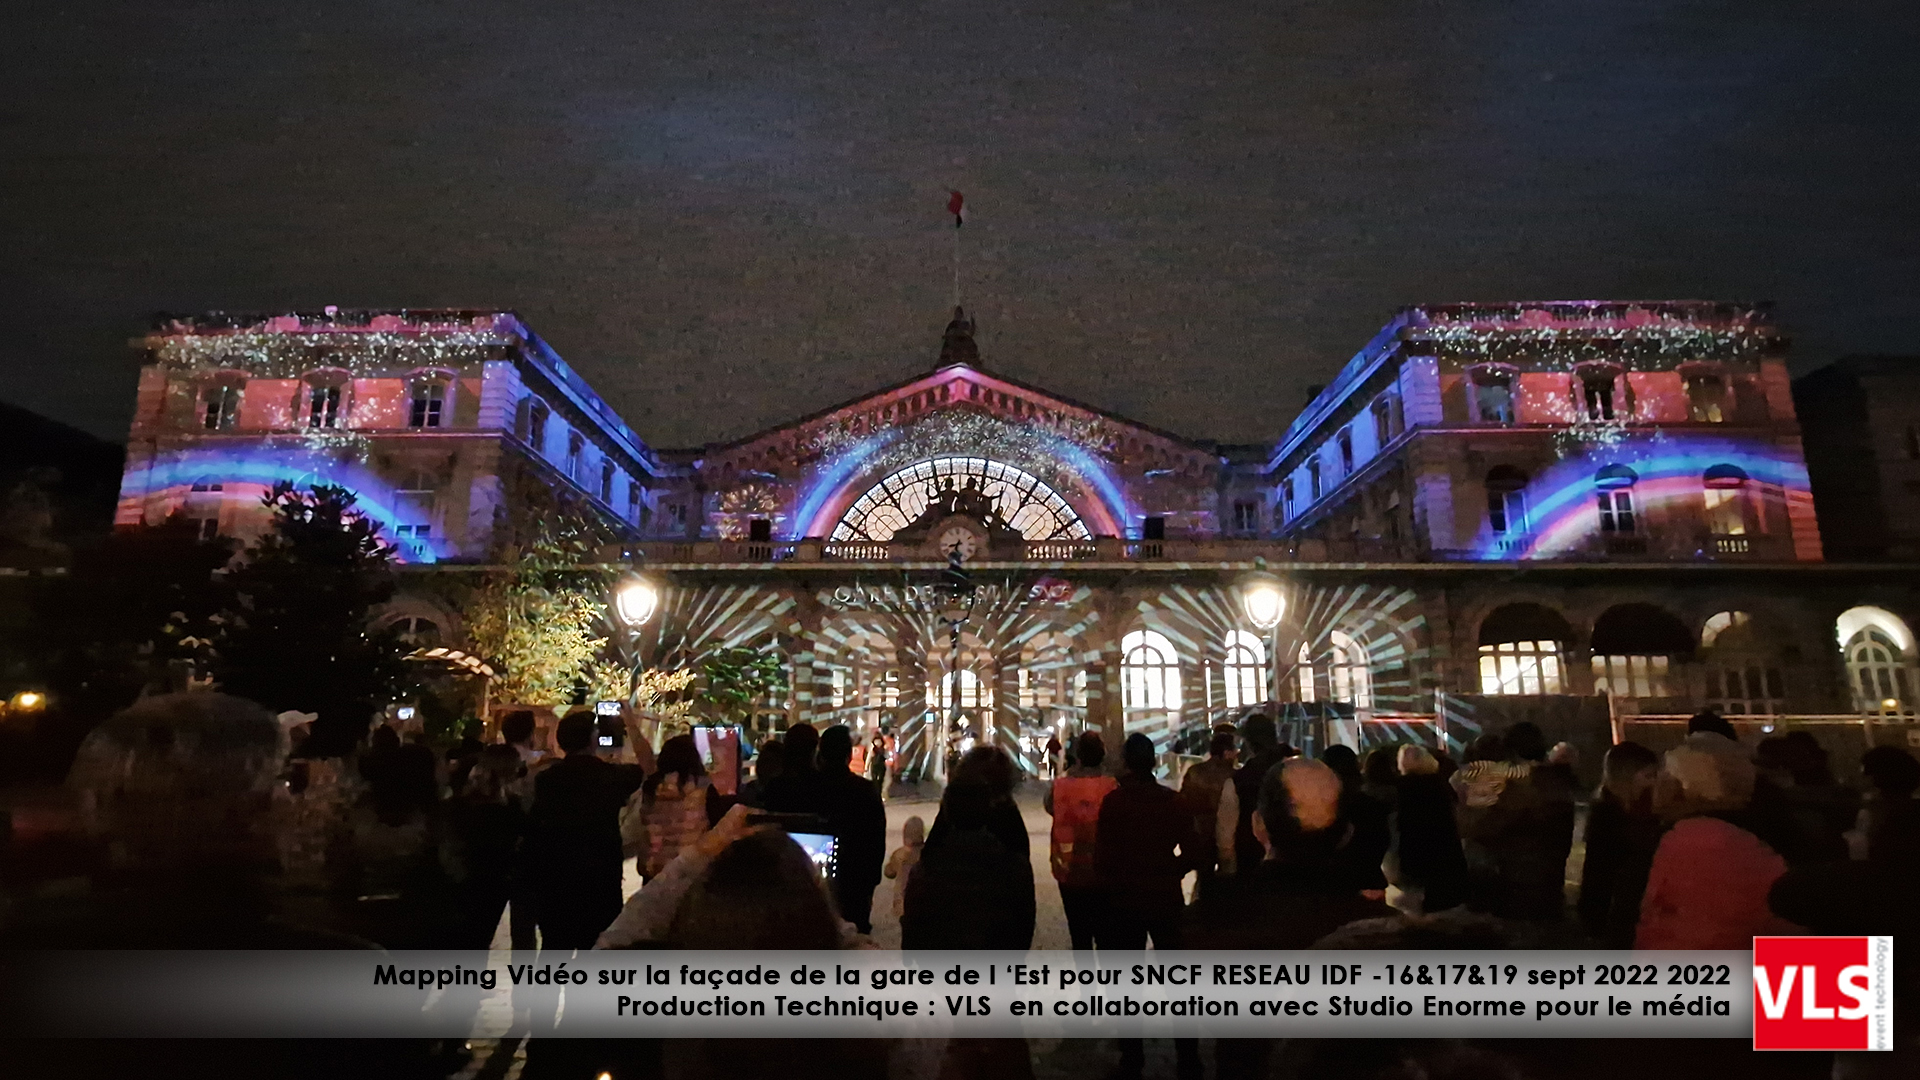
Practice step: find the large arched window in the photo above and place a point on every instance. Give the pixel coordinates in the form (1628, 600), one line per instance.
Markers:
(1521, 646)
(1635, 647)
(1740, 671)
(1879, 653)
(1349, 676)
(1026, 503)
(1245, 668)
(1149, 671)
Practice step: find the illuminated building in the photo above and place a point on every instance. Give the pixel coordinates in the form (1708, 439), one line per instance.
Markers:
(1494, 511)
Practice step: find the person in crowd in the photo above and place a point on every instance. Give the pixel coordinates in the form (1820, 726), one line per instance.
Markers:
(1054, 750)
(463, 754)
(877, 763)
(900, 864)
(397, 832)
(1145, 843)
(573, 847)
(972, 889)
(768, 763)
(1301, 890)
(797, 789)
(1233, 824)
(1517, 827)
(485, 826)
(1888, 825)
(1707, 886)
(672, 808)
(1369, 818)
(1430, 867)
(1200, 789)
(1074, 802)
(1707, 720)
(1622, 833)
(1380, 774)
(1821, 809)
(859, 821)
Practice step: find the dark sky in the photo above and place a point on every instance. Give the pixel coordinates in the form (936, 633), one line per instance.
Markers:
(728, 213)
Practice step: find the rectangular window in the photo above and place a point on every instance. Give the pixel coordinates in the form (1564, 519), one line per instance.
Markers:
(1383, 421)
(323, 406)
(220, 406)
(1616, 512)
(1346, 451)
(1706, 398)
(429, 399)
(1507, 512)
(1153, 528)
(1520, 667)
(1246, 517)
(606, 482)
(576, 447)
(1313, 480)
(677, 516)
(1286, 499)
(1630, 676)
(1599, 393)
(1493, 398)
(1726, 512)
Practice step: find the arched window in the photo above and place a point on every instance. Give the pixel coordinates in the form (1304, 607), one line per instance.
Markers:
(1520, 650)
(974, 691)
(1506, 501)
(1349, 675)
(1879, 653)
(1741, 675)
(1635, 648)
(1245, 669)
(1613, 486)
(1025, 502)
(415, 632)
(1726, 505)
(1149, 671)
(1303, 666)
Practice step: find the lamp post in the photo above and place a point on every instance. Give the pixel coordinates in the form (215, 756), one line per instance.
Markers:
(1264, 599)
(635, 599)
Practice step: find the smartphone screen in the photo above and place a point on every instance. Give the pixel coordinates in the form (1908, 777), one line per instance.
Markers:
(820, 847)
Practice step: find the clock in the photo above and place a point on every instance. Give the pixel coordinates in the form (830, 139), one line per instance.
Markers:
(961, 538)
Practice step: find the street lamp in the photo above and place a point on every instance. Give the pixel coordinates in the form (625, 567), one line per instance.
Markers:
(1264, 599)
(635, 599)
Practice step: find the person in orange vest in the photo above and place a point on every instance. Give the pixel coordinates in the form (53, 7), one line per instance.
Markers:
(1074, 801)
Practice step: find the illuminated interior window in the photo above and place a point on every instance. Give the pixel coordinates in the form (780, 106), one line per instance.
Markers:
(1706, 397)
(1879, 672)
(1630, 676)
(1149, 671)
(1520, 667)
(1635, 647)
(1027, 504)
(1726, 502)
(1245, 669)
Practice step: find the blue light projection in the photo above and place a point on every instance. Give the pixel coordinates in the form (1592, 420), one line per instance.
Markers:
(1561, 506)
(175, 475)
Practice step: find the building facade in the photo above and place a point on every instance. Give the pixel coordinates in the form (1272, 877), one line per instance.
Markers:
(1862, 415)
(1580, 513)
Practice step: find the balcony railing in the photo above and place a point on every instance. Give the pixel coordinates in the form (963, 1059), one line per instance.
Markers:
(738, 552)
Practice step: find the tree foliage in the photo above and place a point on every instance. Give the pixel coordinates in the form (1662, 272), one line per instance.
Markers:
(542, 620)
(297, 636)
(733, 682)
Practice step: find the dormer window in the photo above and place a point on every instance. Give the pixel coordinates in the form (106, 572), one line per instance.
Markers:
(429, 404)
(1492, 394)
(220, 405)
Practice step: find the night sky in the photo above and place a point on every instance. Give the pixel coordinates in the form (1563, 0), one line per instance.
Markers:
(726, 214)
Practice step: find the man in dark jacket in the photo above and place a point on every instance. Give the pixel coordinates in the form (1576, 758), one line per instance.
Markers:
(573, 838)
(853, 809)
(1144, 846)
(1233, 830)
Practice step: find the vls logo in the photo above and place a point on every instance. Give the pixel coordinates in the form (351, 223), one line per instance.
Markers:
(1823, 993)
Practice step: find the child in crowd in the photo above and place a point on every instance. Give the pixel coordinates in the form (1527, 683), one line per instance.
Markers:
(913, 836)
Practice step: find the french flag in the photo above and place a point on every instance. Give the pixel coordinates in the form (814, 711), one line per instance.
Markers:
(956, 205)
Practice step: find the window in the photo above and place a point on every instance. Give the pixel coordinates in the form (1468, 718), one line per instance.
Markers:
(1383, 421)
(1615, 498)
(1025, 502)
(1149, 671)
(1492, 395)
(1635, 647)
(974, 692)
(606, 482)
(1349, 676)
(204, 498)
(414, 499)
(1245, 668)
(1313, 481)
(677, 516)
(537, 415)
(1520, 667)
(1741, 678)
(1597, 388)
(1346, 451)
(1725, 495)
(323, 404)
(415, 632)
(1506, 501)
(1878, 649)
(1630, 676)
(429, 405)
(1706, 397)
(576, 452)
(1246, 517)
(1286, 499)
(220, 406)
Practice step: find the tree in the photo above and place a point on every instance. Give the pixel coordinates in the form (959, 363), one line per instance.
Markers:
(735, 681)
(541, 621)
(297, 636)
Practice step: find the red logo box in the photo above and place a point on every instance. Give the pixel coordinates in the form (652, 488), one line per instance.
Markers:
(1823, 993)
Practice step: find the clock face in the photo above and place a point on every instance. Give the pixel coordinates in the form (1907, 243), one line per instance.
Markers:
(960, 538)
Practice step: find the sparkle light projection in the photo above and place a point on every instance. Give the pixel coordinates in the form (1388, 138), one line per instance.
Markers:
(1069, 468)
(1670, 471)
(170, 479)
(1026, 504)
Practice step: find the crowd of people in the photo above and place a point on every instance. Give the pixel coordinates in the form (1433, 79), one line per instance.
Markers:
(1259, 847)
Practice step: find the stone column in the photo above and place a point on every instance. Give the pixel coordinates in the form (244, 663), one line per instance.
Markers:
(812, 682)
(1101, 647)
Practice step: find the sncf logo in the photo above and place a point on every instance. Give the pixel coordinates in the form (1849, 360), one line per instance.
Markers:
(1823, 993)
